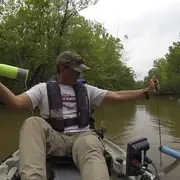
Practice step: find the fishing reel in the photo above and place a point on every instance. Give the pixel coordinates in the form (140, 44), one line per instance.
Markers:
(137, 161)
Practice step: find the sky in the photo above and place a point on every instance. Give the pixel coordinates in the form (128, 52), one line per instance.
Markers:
(151, 26)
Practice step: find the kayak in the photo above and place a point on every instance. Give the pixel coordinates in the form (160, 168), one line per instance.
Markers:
(63, 167)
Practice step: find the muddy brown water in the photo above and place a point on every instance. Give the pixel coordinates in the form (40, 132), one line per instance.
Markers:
(124, 122)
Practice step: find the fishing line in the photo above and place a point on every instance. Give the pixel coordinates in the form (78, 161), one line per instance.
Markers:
(159, 123)
(160, 137)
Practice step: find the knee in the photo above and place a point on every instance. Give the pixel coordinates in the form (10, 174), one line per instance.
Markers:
(88, 148)
(34, 122)
(92, 143)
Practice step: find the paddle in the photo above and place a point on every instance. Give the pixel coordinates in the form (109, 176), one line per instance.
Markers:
(13, 72)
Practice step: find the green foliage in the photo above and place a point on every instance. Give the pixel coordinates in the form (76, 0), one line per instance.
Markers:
(139, 85)
(34, 32)
(167, 70)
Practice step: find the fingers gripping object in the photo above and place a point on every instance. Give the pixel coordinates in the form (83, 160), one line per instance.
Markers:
(14, 72)
(156, 84)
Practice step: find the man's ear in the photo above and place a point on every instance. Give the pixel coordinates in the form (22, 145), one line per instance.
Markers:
(61, 69)
(57, 69)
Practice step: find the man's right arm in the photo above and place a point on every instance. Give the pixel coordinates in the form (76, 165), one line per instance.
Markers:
(13, 101)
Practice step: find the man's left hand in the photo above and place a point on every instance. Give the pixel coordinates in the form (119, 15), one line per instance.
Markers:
(153, 85)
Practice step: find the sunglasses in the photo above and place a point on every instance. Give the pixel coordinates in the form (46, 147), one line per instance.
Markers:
(74, 63)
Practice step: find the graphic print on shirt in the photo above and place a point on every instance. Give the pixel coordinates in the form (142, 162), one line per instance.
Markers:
(69, 101)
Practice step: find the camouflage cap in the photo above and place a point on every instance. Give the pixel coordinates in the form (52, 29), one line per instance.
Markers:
(73, 60)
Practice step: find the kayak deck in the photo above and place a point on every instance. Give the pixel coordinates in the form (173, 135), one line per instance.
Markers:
(63, 167)
(66, 172)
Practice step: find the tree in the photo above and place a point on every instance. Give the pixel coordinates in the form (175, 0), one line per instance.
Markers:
(34, 32)
(167, 69)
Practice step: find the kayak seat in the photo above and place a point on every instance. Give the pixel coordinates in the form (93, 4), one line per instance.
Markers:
(57, 161)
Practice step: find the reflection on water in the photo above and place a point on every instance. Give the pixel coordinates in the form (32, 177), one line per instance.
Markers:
(124, 122)
(130, 121)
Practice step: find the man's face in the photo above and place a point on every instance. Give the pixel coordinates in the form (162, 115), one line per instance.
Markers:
(70, 75)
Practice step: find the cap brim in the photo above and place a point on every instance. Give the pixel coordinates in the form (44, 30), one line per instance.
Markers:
(81, 68)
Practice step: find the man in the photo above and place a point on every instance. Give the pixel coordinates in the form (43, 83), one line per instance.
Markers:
(64, 128)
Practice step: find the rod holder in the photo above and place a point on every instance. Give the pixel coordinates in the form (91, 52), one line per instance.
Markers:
(170, 152)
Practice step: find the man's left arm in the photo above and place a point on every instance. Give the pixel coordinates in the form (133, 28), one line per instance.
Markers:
(131, 95)
(123, 96)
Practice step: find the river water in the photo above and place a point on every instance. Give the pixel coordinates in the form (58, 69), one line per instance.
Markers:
(124, 122)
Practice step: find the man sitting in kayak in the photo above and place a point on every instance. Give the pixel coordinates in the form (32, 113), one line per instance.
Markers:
(64, 125)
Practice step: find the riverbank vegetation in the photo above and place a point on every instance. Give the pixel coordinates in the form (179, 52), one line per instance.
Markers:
(34, 32)
(167, 69)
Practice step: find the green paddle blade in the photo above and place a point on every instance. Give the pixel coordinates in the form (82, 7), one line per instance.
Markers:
(13, 72)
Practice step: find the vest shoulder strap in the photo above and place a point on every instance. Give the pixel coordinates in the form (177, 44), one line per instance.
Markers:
(81, 97)
(54, 96)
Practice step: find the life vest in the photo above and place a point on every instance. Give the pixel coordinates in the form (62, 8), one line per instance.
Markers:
(56, 120)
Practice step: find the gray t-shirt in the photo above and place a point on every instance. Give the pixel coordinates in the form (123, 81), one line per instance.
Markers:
(38, 96)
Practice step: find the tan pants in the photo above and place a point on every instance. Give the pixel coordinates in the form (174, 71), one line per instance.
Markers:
(37, 138)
